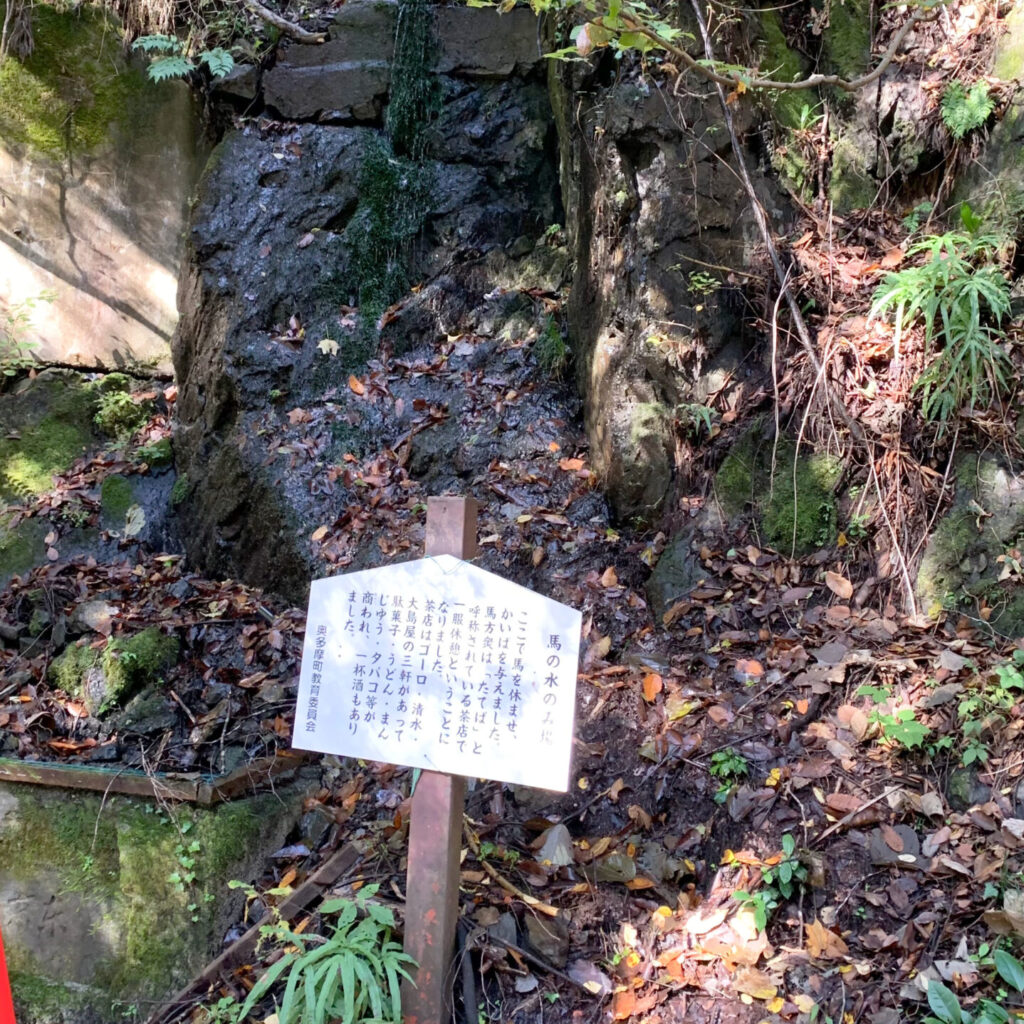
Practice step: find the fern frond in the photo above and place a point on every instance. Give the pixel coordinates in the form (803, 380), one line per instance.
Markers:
(964, 111)
(169, 67)
(218, 60)
(157, 44)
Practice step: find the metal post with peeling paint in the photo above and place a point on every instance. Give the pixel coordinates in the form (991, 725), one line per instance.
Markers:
(6, 1002)
(435, 828)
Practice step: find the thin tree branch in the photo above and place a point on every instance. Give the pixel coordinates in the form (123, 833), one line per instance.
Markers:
(781, 274)
(289, 28)
(811, 82)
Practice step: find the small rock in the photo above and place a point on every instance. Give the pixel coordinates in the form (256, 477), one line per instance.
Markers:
(9, 635)
(147, 713)
(883, 855)
(93, 616)
(504, 929)
(94, 689)
(678, 571)
(106, 754)
(587, 974)
(616, 867)
(181, 589)
(548, 937)
(289, 852)
(964, 789)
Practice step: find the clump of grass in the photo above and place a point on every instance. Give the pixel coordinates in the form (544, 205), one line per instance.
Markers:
(551, 350)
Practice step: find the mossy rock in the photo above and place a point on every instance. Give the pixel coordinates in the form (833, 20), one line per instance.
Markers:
(963, 558)
(110, 678)
(49, 424)
(797, 508)
(122, 924)
(800, 513)
(21, 547)
(848, 38)
(1009, 57)
(641, 472)
(68, 668)
(852, 186)
(116, 496)
(75, 89)
(788, 109)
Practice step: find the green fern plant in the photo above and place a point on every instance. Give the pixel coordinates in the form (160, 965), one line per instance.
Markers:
(964, 111)
(352, 976)
(171, 61)
(960, 296)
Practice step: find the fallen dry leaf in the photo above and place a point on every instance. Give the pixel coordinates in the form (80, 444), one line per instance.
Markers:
(751, 982)
(652, 686)
(839, 585)
(824, 944)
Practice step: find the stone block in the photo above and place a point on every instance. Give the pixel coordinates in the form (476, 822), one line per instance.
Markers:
(346, 91)
(94, 212)
(487, 44)
(95, 912)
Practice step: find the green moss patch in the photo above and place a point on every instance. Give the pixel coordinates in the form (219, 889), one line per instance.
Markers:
(781, 62)
(116, 497)
(179, 492)
(67, 669)
(50, 420)
(127, 665)
(851, 186)
(72, 91)
(130, 663)
(796, 507)
(800, 513)
(848, 38)
(21, 548)
(124, 857)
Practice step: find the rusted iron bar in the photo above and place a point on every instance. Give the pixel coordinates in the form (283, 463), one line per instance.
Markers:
(189, 786)
(435, 828)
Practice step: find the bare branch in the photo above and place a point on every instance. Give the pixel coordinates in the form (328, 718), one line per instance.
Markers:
(803, 334)
(289, 28)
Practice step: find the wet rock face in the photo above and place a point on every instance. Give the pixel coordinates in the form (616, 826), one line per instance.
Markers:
(347, 79)
(652, 204)
(298, 228)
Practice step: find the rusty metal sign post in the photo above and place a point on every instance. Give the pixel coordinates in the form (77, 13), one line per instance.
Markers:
(435, 828)
(6, 1002)
(439, 665)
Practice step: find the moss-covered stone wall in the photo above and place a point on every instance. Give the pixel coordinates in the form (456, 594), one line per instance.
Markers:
(96, 160)
(110, 903)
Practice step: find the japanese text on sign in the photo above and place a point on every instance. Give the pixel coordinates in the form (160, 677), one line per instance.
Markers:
(438, 664)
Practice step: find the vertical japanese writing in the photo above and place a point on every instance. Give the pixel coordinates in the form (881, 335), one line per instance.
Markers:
(458, 675)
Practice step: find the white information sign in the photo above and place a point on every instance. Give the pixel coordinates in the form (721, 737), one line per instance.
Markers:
(438, 664)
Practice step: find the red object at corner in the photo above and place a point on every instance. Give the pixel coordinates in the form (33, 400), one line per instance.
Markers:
(6, 1003)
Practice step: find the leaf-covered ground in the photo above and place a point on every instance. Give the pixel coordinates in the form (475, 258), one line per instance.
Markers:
(790, 800)
(774, 734)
